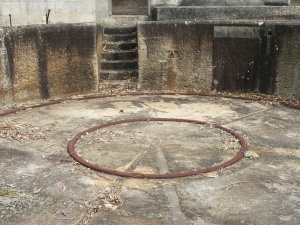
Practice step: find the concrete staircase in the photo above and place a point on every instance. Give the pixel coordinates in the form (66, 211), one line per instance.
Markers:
(119, 65)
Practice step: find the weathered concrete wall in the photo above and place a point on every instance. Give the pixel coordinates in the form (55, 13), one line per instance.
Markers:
(288, 58)
(226, 13)
(33, 12)
(236, 51)
(70, 54)
(27, 12)
(23, 61)
(220, 2)
(295, 2)
(226, 56)
(175, 56)
(5, 81)
(42, 62)
(99, 46)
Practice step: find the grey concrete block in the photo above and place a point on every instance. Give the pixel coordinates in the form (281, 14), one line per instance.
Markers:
(225, 13)
(220, 3)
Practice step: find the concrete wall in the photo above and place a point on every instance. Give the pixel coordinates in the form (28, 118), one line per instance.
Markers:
(222, 56)
(226, 13)
(5, 83)
(48, 61)
(288, 58)
(220, 2)
(175, 56)
(26, 12)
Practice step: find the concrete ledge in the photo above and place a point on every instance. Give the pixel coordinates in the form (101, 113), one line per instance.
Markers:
(223, 13)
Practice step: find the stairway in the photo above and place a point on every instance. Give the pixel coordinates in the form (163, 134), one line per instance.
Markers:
(119, 65)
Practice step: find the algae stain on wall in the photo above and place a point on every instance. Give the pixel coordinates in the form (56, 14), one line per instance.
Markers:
(41, 62)
(72, 60)
(23, 63)
(5, 82)
(175, 56)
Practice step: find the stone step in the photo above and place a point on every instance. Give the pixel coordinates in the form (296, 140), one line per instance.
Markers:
(121, 20)
(119, 74)
(119, 84)
(119, 37)
(119, 55)
(119, 64)
(118, 46)
(120, 30)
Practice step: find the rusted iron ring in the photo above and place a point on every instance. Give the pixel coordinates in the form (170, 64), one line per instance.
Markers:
(74, 155)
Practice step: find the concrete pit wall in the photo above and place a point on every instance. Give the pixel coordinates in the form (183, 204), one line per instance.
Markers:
(41, 62)
(228, 56)
(287, 60)
(175, 56)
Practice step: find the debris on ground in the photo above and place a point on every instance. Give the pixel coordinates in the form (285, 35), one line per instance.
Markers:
(19, 131)
(251, 154)
(109, 199)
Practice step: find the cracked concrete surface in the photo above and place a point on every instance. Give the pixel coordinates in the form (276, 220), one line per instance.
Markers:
(46, 186)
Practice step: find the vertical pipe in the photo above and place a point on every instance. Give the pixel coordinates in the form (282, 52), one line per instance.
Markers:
(47, 16)
(10, 21)
(109, 7)
(149, 8)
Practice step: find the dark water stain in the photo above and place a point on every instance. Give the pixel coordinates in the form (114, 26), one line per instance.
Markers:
(267, 59)
(43, 67)
(77, 44)
(9, 42)
(8, 154)
(235, 64)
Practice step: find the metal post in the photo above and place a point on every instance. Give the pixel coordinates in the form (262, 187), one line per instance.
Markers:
(109, 7)
(149, 7)
(10, 21)
(47, 16)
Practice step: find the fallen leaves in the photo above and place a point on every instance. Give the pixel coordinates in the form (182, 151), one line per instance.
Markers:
(19, 131)
(213, 174)
(109, 199)
(36, 190)
(251, 154)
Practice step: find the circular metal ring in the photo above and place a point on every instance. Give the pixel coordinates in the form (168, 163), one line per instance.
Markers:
(74, 155)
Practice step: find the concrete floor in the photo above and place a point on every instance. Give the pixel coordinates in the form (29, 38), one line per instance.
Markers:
(41, 184)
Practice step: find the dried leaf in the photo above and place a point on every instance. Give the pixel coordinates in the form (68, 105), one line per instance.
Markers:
(254, 154)
(213, 174)
(35, 191)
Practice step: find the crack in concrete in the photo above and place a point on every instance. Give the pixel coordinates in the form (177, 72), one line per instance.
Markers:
(170, 191)
(249, 115)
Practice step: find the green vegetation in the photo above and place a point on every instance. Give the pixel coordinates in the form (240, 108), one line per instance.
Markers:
(4, 192)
